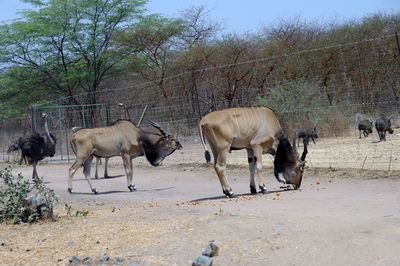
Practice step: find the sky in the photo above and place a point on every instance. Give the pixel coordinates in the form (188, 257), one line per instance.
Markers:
(242, 16)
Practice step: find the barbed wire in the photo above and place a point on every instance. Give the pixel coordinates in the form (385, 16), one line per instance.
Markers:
(143, 84)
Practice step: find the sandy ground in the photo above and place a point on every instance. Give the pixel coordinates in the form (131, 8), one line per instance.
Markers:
(335, 219)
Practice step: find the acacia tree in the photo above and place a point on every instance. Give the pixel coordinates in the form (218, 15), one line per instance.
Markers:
(65, 47)
(155, 45)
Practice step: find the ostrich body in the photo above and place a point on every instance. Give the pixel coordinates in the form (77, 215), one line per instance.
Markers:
(36, 147)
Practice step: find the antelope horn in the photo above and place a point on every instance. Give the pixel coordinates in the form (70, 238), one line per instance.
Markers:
(294, 144)
(156, 125)
(303, 156)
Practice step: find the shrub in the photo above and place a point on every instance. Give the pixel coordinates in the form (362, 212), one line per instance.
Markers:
(13, 198)
(12, 205)
(77, 213)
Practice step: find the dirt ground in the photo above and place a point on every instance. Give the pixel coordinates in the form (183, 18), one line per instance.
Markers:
(334, 219)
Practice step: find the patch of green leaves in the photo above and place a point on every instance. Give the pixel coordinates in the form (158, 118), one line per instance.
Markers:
(14, 190)
(12, 195)
(75, 213)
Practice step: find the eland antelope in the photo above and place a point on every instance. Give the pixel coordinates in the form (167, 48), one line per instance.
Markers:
(257, 130)
(121, 138)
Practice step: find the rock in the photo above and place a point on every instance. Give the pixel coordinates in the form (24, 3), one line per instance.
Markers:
(71, 244)
(42, 240)
(106, 258)
(3, 244)
(45, 212)
(202, 261)
(119, 260)
(37, 203)
(211, 250)
(88, 259)
(74, 259)
(280, 224)
(34, 201)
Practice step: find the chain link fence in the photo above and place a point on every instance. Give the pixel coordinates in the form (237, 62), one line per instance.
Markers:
(331, 88)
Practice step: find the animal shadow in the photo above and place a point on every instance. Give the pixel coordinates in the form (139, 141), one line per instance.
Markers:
(242, 195)
(110, 177)
(101, 193)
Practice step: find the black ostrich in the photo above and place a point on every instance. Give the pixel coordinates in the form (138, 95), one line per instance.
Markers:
(35, 147)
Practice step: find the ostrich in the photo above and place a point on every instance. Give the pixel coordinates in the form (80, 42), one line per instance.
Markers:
(36, 147)
(15, 147)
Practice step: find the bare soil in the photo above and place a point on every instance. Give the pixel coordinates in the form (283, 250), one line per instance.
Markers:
(346, 217)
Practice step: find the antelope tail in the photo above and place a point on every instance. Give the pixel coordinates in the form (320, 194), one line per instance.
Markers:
(203, 141)
(73, 146)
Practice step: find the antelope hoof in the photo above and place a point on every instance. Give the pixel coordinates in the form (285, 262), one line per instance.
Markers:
(228, 193)
(95, 191)
(70, 190)
(253, 190)
(132, 188)
(263, 189)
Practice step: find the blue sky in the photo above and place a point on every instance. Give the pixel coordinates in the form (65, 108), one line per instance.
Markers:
(242, 16)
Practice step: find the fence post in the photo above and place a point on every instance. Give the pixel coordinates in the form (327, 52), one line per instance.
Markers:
(83, 116)
(107, 114)
(60, 127)
(398, 45)
(33, 127)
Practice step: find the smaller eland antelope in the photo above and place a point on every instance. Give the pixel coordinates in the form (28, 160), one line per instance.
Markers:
(124, 139)
(258, 131)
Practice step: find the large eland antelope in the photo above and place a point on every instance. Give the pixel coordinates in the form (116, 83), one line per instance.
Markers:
(124, 139)
(258, 131)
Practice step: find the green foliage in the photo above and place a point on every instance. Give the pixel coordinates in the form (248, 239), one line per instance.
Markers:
(47, 194)
(64, 47)
(293, 96)
(13, 194)
(298, 105)
(75, 213)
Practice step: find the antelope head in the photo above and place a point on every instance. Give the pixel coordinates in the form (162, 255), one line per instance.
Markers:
(164, 146)
(288, 165)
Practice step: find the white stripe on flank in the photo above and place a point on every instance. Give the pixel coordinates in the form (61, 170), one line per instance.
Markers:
(237, 125)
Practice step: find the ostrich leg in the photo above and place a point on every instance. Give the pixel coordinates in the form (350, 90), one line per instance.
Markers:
(34, 174)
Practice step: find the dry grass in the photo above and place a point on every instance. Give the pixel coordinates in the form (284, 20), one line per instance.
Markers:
(124, 232)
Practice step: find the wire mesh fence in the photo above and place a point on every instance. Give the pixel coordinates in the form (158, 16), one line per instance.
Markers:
(331, 88)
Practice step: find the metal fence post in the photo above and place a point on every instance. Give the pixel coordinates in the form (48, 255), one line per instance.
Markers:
(33, 126)
(83, 116)
(107, 114)
(60, 128)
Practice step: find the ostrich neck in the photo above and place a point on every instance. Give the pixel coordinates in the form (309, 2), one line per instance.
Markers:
(46, 128)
